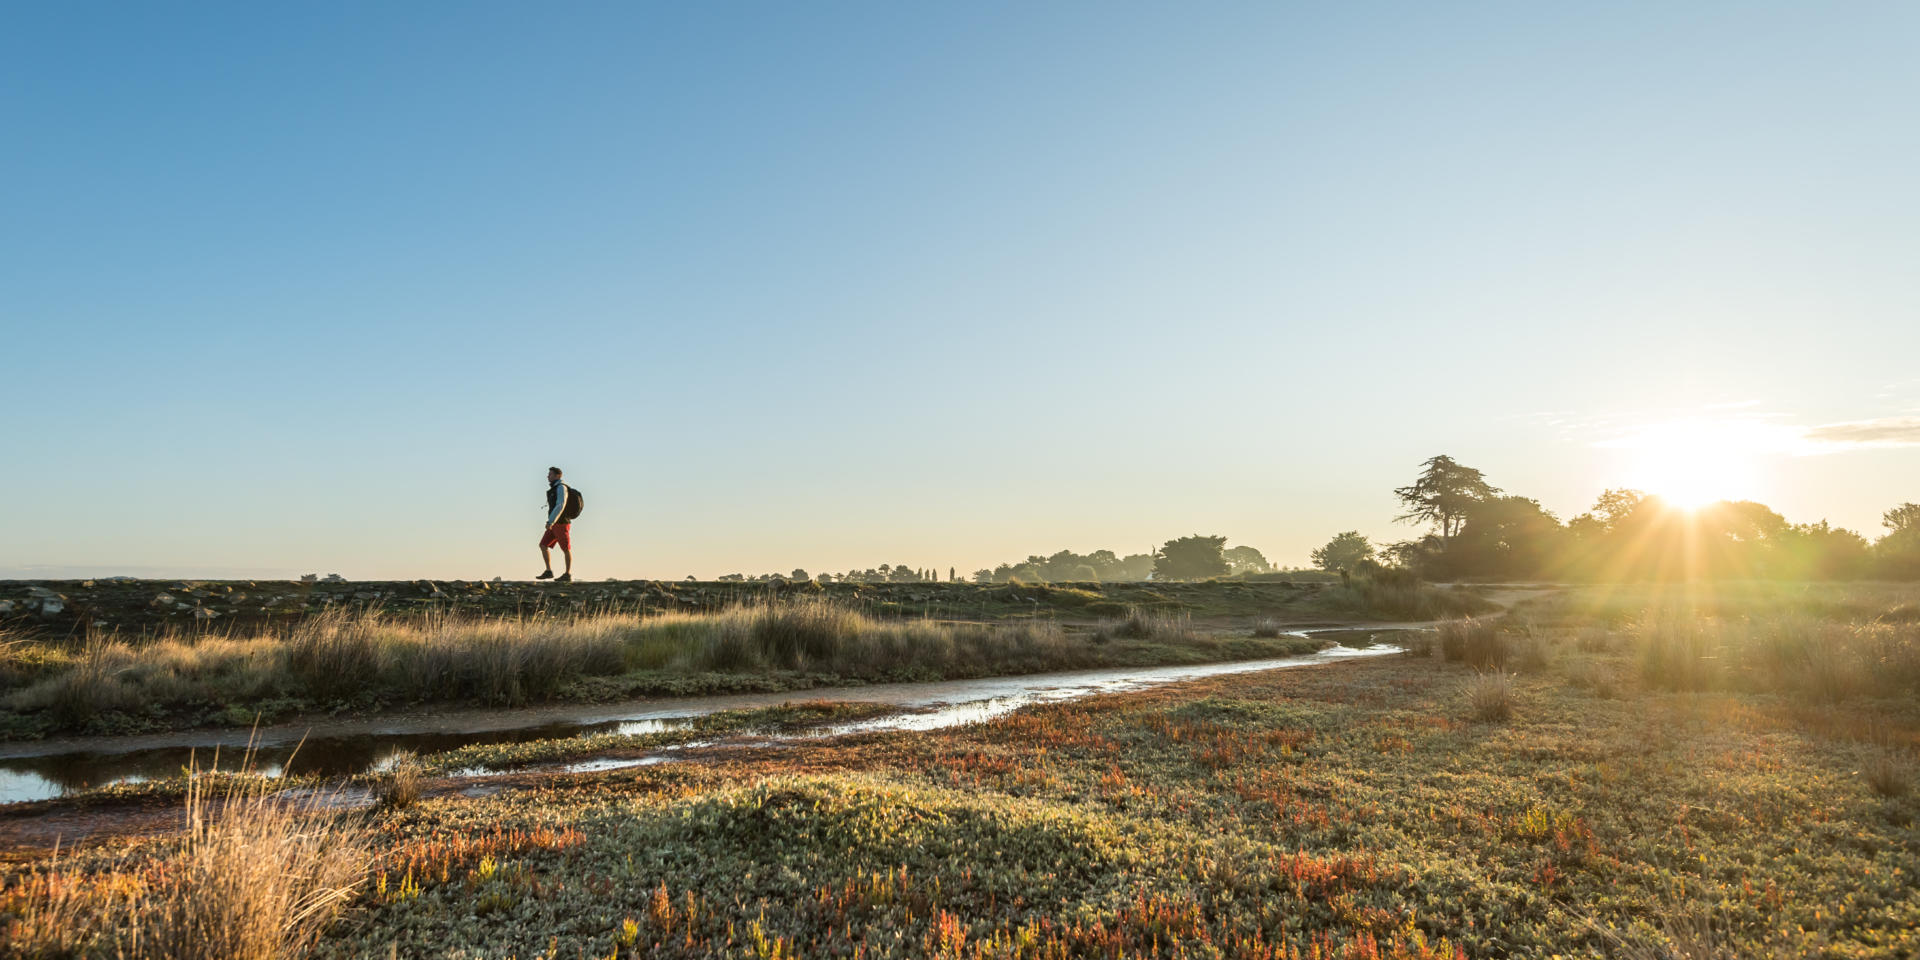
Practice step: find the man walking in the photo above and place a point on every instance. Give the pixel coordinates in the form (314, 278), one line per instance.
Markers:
(559, 528)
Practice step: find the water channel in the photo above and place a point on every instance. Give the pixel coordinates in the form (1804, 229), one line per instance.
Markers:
(48, 769)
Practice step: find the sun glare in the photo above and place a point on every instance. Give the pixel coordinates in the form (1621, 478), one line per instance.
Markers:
(1694, 463)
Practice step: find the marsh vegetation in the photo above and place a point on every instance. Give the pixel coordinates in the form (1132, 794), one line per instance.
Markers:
(359, 660)
(1578, 801)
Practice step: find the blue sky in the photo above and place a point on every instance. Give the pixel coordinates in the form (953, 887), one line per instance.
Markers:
(828, 285)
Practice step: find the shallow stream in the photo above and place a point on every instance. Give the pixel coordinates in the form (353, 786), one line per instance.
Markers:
(38, 771)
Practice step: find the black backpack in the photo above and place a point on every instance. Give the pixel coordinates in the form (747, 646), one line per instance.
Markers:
(574, 504)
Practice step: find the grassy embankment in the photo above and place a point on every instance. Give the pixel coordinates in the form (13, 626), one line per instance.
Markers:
(362, 661)
(1369, 809)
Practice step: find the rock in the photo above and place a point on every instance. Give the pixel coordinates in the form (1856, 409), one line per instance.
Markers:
(162, 600)
(202, 613)
(6, 607)
(86, 584)
(52, 606)
(40, 592)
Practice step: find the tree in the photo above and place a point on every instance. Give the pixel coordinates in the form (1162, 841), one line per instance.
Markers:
(1903, 518)
(1343, 552)
(1506, 537)
(983, 576)
(1190, 558)
(1609, 512)
(798, 574)
(1899, 551)
(1246, 560)
(1821, 551)
(1442, 493)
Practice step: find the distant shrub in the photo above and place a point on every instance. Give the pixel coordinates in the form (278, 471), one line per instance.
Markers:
(1267, 629)
(1886, 773)
(1477, 643)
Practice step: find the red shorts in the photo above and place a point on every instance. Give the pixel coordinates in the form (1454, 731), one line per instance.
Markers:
(560, 534)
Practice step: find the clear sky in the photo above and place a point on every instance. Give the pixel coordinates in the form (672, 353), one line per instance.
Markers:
(827, 284)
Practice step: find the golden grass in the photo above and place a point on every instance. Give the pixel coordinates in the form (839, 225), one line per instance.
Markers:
(343, 658)
(256, 874)
(398, 785)
(1490, 696)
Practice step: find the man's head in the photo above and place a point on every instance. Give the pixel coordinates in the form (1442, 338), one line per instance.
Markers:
(553, 474)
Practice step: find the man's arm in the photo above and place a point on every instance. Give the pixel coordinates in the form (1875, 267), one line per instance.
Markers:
(559, 504)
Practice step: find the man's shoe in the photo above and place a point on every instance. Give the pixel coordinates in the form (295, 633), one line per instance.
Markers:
(545, 576)
(563, 578)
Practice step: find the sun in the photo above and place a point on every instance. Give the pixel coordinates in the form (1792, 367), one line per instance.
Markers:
(1688, 480)
(1693, 463)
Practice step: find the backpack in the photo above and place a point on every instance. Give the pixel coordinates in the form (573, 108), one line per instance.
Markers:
(574, 504)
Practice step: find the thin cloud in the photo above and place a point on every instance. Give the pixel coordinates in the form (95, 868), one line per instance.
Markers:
(1879, 432)
(1760, 434)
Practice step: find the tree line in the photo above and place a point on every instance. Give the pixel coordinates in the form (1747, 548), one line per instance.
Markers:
(1186, 558)
(1478, 531)
(1475, 530)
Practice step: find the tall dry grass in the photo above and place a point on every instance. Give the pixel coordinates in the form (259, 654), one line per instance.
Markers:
(1818, 660)
(1477, 643)
(343, 657)
(1489, 695)
(824, 636)
(256, 875)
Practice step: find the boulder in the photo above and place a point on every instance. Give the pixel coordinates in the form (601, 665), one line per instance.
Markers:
(6, 607)
(162, 600)
(202, 613)
(52, 606)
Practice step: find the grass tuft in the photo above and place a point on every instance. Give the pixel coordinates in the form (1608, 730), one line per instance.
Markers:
(1490, 696)
(257, 875)
(1887, 773)
(398, 786)
(1477, 643)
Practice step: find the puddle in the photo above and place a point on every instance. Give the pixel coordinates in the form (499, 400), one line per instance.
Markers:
(26, 775)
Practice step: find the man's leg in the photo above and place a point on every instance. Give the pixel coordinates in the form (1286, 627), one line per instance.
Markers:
(567, 552)
(547, 540)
